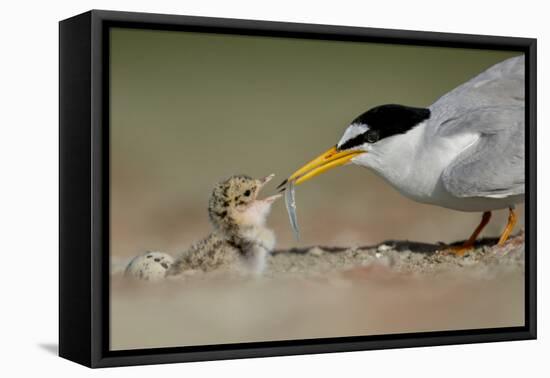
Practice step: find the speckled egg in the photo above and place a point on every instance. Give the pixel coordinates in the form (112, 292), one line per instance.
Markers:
(150, 266)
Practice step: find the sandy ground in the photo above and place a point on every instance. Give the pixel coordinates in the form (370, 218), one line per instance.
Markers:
(394, 287)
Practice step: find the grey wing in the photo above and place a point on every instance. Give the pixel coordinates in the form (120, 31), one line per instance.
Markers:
(494, 166)
(502, 85)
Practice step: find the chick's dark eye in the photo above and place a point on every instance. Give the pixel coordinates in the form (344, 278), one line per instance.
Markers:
(372, 136)
(247, 193)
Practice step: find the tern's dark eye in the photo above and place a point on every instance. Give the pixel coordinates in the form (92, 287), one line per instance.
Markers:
(247, 193)
(372, 136)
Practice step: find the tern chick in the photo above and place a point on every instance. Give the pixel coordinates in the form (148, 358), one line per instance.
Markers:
(240, 239)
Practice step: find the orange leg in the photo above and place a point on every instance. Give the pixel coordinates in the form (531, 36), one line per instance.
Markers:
(512, 220)
(468, 244)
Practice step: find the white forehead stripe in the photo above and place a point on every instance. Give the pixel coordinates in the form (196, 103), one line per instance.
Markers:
(351, 132)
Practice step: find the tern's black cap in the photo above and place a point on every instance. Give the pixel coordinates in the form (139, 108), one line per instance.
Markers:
(384, 121)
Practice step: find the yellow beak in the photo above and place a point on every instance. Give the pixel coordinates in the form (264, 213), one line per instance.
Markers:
(326, 161)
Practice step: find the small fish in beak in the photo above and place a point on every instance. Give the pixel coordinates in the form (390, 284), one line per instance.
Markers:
(331, 158)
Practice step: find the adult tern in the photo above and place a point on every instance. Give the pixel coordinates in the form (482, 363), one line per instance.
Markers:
(464, 152)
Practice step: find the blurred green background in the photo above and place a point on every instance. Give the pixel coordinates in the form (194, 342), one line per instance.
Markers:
(189, 109)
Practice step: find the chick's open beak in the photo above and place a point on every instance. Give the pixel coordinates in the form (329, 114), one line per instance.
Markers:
(266, 179)
(272, 198)
(261, 183)
(324, 162)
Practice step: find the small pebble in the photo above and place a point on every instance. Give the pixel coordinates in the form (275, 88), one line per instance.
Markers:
(383, 248)
(316, 251)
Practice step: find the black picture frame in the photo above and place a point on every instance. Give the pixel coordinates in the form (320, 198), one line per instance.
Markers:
(84, 188)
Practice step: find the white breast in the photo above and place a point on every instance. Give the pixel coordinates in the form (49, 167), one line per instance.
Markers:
(413, 162)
